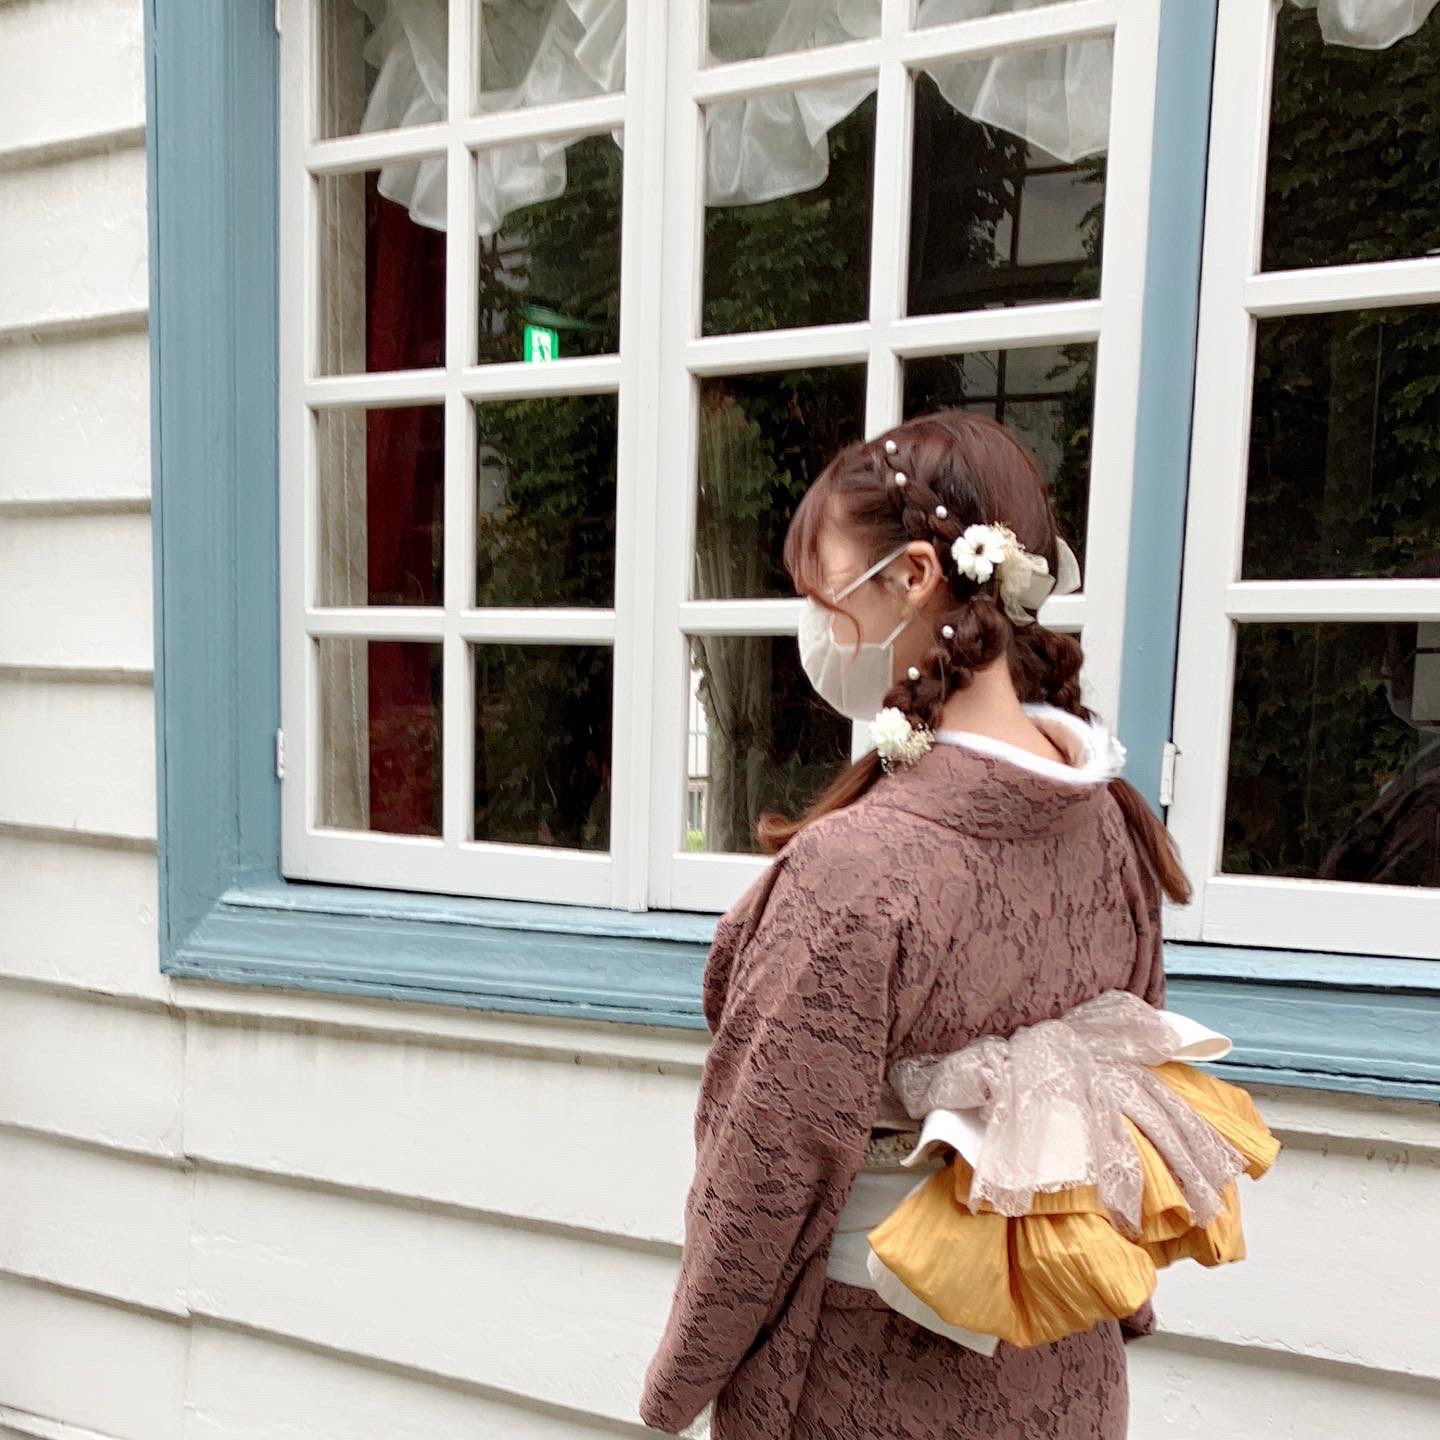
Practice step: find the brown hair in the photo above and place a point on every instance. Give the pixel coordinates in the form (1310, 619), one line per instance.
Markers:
(980, 474)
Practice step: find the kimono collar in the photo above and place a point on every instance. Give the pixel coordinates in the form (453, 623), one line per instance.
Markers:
(989, 788)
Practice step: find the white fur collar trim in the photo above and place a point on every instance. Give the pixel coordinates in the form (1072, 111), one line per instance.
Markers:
(1093, 753)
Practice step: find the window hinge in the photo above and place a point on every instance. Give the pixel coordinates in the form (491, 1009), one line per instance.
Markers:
(279, 754)
(278, 4)
(1167, 774)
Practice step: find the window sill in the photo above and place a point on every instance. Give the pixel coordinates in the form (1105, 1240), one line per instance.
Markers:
(1344, 1023)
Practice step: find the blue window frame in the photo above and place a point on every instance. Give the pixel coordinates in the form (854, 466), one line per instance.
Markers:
(227, 914)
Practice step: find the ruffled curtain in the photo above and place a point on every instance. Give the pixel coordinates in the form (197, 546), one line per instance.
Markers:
(1368, 24)
(538, 52)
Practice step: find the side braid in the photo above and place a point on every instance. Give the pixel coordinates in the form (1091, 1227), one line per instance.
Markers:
(971, 635)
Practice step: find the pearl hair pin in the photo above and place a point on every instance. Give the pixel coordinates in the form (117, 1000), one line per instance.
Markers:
(948, 631)
(891, 447)
(900, 479)
(913, 673)
(941, 512)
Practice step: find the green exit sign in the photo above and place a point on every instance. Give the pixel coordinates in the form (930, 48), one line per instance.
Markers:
(541, 344)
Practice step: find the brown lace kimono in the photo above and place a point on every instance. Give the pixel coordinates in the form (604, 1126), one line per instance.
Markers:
(962, 897)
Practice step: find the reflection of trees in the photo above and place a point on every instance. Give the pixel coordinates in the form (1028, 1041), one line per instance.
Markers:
(1344, 474)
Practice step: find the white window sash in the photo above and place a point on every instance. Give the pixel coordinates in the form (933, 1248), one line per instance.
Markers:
(1234, 294)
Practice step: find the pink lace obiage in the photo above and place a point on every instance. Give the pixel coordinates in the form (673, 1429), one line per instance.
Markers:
(972, 894)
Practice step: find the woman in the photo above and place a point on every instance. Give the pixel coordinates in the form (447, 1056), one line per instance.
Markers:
(988, 872)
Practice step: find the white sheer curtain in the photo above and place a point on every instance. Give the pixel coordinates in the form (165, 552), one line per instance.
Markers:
(537, 52)
(1368, 24)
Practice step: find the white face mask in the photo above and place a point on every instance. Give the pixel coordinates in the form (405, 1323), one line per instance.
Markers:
(854, 682)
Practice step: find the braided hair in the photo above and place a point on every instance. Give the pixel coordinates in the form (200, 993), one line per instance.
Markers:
(929, 480)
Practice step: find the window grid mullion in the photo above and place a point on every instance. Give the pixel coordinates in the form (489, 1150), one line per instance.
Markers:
(457, 716)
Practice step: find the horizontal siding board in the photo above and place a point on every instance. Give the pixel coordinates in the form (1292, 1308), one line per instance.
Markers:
(496, 1132)
(78, 591)
(66, 1206)
(75, 240)
(78, 757)
(80, 915)
(1338, 1264)
(75, 419)
(541, 1316)
(1178, 1389)
(250, 1387)
(99, 1071)
(68, 69)
(79, 1362)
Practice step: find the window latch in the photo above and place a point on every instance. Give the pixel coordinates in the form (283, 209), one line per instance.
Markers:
(1167, 774)
(279, 754)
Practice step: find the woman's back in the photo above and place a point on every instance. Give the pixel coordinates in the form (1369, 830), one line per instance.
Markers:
(972, 894)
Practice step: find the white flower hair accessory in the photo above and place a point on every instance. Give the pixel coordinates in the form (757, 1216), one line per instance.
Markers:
(986, 552)
(898, 741)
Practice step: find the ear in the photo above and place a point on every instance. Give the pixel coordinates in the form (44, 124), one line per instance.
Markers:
(923, 577)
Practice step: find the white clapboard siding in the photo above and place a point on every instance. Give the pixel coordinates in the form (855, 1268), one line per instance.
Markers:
(69, 70)
(61, 266)
(95, 1070)
(78, 591)
(95, 1220)
(1179, 1390)
(81, 915)
(249, 1387)
(1335, 1224)
(82, 1362)
(538, 1138)
(75, 420)
(78, 756)
(544, 1316)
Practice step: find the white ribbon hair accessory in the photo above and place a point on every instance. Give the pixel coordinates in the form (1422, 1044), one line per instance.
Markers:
(986, 552)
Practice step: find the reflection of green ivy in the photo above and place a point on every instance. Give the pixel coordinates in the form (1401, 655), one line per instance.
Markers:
(1344, 472)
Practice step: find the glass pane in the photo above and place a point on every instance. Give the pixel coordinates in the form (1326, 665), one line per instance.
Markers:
(787, 219)
(1335, 753)
(948, 12)
(1344, 471)
(763, 440)
(382, 274)
(545, 501)
(381, 480)
(380, 735)
(540, 53)
(1354, 148)
(549, 281)
(542, 744)
(745, 30)
(1044, 394)
(994, 219)
(382, 65)
(760, 739)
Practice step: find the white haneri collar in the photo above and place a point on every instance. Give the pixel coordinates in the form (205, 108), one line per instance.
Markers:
(1095, 755)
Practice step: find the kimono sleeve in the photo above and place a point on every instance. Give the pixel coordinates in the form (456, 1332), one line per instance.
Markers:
(790, 1087)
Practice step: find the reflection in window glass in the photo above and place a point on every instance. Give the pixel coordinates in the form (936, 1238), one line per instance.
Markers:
(1335, 753)
(994, 220)
(545, 501)
(763, 440)
(1344, 470)
(541, 54)
(542, 744)
(950, 12)
(380, 735)
(381, 477)
(382, 280)
(549, 278)
(760, 739)
(379, 69)
(745, 30)
(787, 221)
(1353, 170)
(1045, 395)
